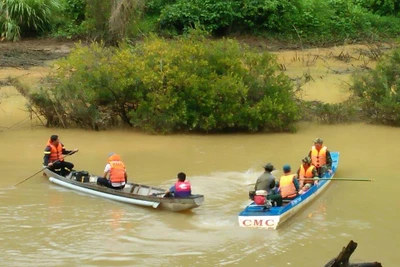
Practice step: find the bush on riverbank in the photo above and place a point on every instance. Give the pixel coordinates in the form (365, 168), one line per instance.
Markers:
(188, 84)
(327, 113)
(377, 90)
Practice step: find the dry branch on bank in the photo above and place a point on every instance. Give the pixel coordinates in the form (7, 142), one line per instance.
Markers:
(342, 260)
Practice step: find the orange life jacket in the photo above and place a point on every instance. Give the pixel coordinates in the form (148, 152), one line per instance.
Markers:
(307, 174)
(318, 157)
(117, 171)
(286, 185)
(55, 152)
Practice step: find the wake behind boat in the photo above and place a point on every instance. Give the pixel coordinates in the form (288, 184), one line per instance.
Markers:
(259, 216)
(136, 194)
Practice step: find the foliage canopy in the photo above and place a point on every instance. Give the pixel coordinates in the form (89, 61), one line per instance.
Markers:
(188, 84)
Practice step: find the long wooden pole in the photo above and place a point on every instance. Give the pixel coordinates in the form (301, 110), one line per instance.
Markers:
(346, 179)
(339, 179)
(26, 179)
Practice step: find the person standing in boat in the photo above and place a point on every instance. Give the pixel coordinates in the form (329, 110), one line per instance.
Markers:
(181, 188)
(266, 181)
(116, 172)
(54, 159)
(321, 157)
(307, 172)
(288, 184)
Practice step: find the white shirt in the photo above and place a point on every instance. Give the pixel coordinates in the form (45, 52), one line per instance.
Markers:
(107, 169)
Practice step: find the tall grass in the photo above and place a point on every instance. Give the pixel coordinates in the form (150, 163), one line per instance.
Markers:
(17, 16)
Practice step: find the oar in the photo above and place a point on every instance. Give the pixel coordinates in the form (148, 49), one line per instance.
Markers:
(346, 179)
(43, 169)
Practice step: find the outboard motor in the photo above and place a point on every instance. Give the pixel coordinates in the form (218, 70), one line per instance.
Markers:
(260, 199)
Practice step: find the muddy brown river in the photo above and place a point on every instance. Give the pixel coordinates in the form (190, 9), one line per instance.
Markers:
(42, 224)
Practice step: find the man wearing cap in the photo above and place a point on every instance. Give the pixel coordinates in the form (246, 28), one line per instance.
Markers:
(321, 157)
(54, 159)
(307, 172)
(266, 181)
(288, 184)
(116, 171)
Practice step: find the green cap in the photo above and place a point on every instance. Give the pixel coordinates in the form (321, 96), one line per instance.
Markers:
(306, 160)
(318, 141)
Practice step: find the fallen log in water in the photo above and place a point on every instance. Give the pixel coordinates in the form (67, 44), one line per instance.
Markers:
(342, 260)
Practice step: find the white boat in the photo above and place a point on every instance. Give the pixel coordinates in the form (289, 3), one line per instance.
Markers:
(136, 194)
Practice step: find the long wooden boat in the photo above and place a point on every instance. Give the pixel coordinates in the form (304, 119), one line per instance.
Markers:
(137, 194)
(259, 216)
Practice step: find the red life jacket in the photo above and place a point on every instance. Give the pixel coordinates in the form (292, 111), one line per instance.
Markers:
(183, 189)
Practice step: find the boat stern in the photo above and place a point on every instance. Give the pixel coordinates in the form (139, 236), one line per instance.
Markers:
(266, 222)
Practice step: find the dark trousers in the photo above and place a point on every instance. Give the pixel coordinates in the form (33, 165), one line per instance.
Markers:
(275, 197)
(105, 182)
(321, 171)
(62, 168)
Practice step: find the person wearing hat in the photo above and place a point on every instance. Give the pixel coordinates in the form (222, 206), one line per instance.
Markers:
(321, 157)
(116, 172)
(307, 172)
(288, 184)
(266, 181)
(54, 159)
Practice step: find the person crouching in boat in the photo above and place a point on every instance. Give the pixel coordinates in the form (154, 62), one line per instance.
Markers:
(307, 173)
(288, 184)
(116, 171)
(181, 188)
(321, 157)
(54, 159)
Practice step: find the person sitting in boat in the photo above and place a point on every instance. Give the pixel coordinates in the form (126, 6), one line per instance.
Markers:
(288, 184)
(116, 172)
(181, 188)
(54, 159)
(266, 181)
(263, 186)
(307, 172)
(321, 157)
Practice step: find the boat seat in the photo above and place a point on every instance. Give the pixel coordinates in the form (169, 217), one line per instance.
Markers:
(148, 193)
(133, 188)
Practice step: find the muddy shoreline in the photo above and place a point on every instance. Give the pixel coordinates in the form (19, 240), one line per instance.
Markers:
(29, 53)
(36, 52)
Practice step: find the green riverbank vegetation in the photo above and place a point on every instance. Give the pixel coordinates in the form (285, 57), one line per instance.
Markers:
(167, 66)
